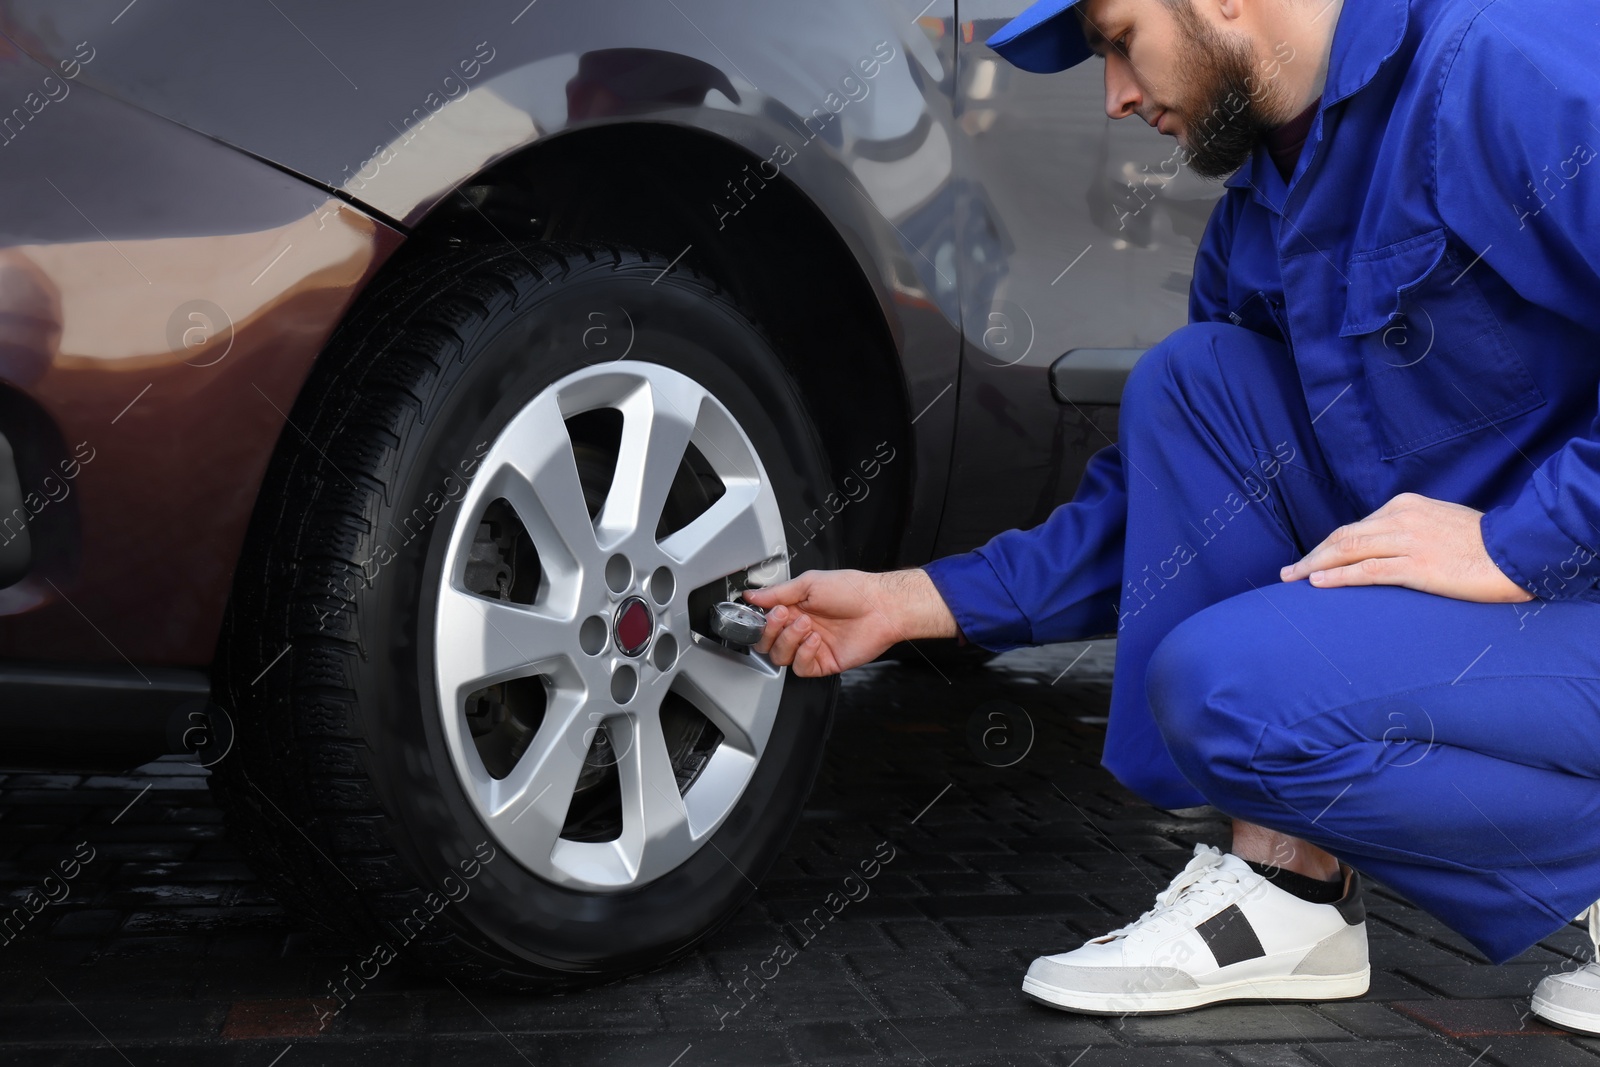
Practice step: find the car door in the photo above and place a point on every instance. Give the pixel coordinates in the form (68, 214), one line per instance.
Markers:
(1075, 233)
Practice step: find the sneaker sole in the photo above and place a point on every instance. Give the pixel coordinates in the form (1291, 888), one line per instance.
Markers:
(1577, 1022)
(1288, 987)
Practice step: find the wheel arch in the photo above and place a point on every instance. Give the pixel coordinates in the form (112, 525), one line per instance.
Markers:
(819, 295)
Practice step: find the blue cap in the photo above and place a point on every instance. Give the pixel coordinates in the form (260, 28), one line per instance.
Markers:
(1045, 38)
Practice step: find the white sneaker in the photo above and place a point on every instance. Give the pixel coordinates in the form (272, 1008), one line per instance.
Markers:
(1571, 999)
(1219, 932)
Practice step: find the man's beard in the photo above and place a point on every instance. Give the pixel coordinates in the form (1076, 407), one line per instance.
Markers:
(1234, 106)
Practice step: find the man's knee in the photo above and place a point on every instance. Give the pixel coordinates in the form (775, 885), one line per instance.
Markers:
(1200, 360)
(1214, 682)
(1182, 682)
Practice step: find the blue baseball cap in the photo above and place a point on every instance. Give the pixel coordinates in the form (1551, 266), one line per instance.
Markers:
(1045, 38)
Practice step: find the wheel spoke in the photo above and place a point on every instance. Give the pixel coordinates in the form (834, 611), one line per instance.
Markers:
(482, 641)
(653, 817)
(658, 421)
(728, 536)
(529, 806)
(539, 479)
(737, 693)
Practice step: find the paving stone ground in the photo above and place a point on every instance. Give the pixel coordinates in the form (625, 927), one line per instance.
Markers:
(165, 950)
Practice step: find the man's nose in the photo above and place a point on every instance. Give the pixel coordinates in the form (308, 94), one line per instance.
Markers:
(1122, 91)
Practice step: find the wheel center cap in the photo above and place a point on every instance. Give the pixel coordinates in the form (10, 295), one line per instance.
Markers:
(632, 626)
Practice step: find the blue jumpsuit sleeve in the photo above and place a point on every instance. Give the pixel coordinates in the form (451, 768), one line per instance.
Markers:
(1060, 580)
(1519, 103)
(1054, 582)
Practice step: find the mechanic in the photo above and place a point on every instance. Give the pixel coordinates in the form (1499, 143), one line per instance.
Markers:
(1348, 536)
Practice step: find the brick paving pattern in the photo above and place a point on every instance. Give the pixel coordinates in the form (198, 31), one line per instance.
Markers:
(942, 850)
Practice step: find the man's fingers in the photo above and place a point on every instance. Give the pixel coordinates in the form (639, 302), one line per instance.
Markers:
(1374, 570)
(789, 639)
(776, 618)
(786, 626)
(812, 659)
(792, 591)
(1375, 535)
(1345, 546)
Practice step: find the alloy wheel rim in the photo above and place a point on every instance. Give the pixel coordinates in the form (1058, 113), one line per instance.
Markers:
(595, 572)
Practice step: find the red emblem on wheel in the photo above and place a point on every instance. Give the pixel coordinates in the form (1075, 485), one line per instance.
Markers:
(632, 626)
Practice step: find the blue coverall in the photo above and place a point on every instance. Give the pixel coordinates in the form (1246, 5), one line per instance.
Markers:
(1416, 309)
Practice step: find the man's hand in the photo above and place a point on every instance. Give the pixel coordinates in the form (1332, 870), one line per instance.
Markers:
(1414, 541)
(824, 622)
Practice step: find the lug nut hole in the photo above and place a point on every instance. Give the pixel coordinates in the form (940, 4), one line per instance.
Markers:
(624, 683)
(665, 653)
(592, 635)
(619, 573)
(662, 585)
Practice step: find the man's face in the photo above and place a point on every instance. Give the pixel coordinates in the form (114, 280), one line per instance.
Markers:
(1197, 80)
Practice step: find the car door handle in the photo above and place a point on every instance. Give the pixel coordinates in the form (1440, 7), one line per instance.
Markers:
(1092, 375)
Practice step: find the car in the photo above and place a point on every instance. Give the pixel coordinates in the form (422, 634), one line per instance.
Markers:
(389, 393)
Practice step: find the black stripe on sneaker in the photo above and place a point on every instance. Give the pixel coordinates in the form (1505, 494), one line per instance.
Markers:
(1230, 937)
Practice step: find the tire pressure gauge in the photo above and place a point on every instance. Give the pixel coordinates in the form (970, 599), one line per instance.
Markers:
(738, 624)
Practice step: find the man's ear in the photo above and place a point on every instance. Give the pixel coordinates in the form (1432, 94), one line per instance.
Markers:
(1229, 9)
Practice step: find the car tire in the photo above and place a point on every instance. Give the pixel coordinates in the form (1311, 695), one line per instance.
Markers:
(417, 534)
(939, 654)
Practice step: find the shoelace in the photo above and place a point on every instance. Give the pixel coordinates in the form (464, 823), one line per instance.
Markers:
(1202, 878)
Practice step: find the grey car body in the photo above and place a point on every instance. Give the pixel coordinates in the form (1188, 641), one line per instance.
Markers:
(995, 219)
(959, 260)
